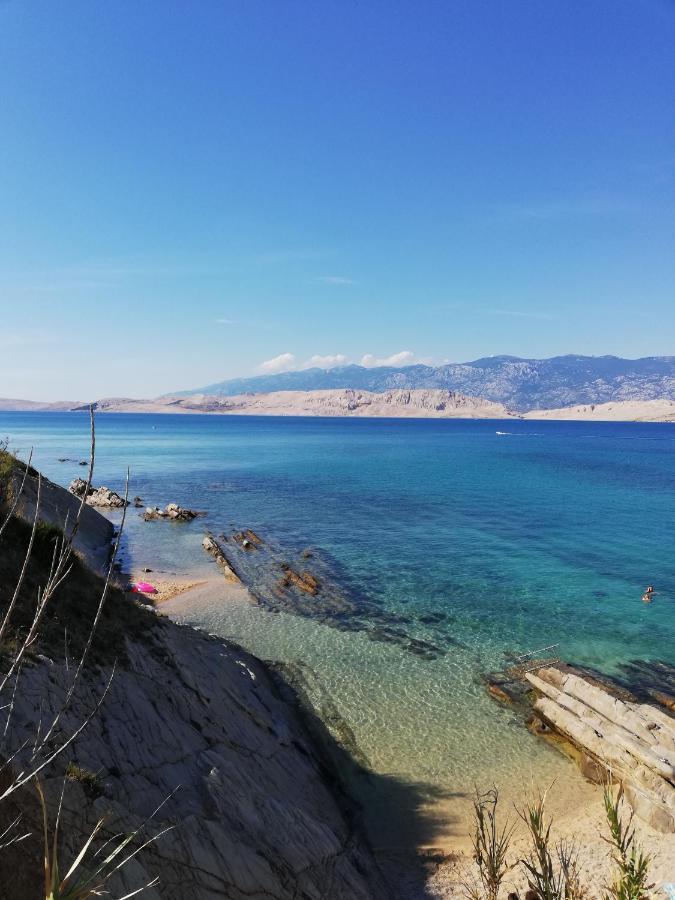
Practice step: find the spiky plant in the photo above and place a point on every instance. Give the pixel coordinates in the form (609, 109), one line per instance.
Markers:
(490, 846)
(545, 879)
(90, 871)
(568, 860)
(632, 878)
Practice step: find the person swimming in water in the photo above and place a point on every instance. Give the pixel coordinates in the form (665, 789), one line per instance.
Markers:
(648, 595)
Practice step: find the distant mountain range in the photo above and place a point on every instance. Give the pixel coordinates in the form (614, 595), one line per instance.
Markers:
(497, 386)
(520, 384)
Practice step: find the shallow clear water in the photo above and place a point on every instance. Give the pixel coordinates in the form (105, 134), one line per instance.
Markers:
(545, 535)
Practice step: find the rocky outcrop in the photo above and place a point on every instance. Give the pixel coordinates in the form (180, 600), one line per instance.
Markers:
(101, 497)
(213, 548)
(197, 736)
(252, 813)
(171, 511)
(635, 742)
(58, 507)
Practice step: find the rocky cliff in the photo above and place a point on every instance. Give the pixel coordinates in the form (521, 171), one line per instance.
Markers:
(396, 404)
(440, 404)
(255, 810)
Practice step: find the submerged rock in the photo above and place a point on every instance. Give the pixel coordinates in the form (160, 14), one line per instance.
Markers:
(498, 693)
(304, 581)
(247, 539)
(312, 586)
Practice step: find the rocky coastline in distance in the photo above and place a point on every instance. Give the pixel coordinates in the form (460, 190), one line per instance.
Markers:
(346, 402)
(598, 388)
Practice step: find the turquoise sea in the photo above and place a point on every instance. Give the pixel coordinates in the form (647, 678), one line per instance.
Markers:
(481, 537)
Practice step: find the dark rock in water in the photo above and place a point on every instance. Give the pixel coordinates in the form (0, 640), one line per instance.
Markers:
(432, 618)
(417, 647)
(309, 587)
(304, 581)
(453, 642)
(498, 693)
(247, 539)
(425, 649)
(83, 462)
(664, 699)
(651, 680)
(387, 635)
(397, 619)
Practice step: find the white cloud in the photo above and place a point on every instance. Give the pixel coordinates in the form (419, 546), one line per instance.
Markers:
(282, 363)
(403, 358)
(335, 279)
(224, 321)
(325, 362)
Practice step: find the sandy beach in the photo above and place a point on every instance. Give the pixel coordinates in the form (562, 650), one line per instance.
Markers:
(586, 827)
(167, 588)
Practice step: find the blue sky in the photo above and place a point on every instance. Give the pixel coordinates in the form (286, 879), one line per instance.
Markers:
(190, 191)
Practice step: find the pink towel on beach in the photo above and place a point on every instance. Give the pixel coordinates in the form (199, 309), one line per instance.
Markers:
(144, 587)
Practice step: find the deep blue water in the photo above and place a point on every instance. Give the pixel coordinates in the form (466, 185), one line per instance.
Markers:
(547, 534)
(544, 535)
